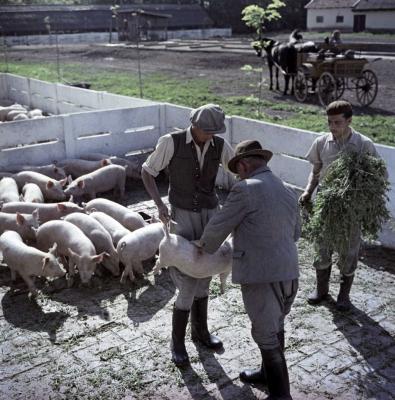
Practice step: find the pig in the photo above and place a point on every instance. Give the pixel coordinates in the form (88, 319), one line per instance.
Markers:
(4, 111)
(138, 246)
(99, 181)
(128, 218)
(31, 193)
(77, 168)
(133, 167)
(8, 190)
(100, 238)
(112, 226)
(28, 261)
(50, 170)
(46, 212)
(174, 250)
(36, 113)
(51, 189)
(21, 223)
(72, 243)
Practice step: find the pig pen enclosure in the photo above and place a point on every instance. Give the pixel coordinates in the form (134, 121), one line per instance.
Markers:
(112, 340)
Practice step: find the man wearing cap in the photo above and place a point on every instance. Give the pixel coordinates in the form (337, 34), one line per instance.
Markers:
(262, 212)
(192, 156)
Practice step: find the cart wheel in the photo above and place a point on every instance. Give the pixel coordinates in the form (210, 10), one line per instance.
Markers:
(340, 87)
(366, 87)
(326, 87)
(300, 87)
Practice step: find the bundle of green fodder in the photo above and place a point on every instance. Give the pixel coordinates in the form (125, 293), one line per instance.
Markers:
(353, 192)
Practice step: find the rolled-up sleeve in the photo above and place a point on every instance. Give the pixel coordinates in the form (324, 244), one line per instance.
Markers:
(160, 158)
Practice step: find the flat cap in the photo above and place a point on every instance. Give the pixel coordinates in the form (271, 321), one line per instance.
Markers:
(210, 118)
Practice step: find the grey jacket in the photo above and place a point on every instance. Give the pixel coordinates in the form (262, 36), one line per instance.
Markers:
(263, 214)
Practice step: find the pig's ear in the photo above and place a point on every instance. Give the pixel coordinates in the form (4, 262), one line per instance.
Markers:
(99, 258)
(69, 179)
(63, 182)
(45, 262)
(81, 184)
(20, 219)
(61, 207)
(52, 250)
(50, 185)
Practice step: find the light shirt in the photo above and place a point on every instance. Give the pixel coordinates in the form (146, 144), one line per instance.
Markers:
(325, 149)
(161, 157)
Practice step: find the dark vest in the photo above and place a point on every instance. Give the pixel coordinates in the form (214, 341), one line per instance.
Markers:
(190, 188)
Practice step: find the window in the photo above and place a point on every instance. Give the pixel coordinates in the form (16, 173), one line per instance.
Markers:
(319, 19)
(339, 19)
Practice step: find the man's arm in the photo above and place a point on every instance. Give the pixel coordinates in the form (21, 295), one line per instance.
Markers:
(312, 183)
(152, 189)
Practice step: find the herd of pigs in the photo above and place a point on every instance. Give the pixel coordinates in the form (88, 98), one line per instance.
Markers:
(43, 234)
(17, 112)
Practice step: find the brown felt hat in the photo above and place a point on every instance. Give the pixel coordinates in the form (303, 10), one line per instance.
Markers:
(210, 118)
(248, 148)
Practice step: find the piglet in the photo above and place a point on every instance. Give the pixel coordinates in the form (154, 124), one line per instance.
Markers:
(28, 261)
(128, 218)
(138, 246)
(72, 243)
(51, 170)
(24, 224)
(76, 167)
(99, 181)
(8, 190)
(174, 250)
(32, 193)
(100, 238)
(112, 226)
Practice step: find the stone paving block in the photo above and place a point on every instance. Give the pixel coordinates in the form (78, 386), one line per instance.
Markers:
(317, 361)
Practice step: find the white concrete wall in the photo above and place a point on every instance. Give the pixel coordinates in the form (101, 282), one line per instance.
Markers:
(122, 130)
(329, 22)
(379, 20)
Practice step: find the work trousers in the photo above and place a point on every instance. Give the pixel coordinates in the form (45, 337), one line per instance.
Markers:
(189, 225)
(267, 304)
(348, 259)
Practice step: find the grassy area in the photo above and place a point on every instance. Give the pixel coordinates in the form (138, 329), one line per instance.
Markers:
(194, 92)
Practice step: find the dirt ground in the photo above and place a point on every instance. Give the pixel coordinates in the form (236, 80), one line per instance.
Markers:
(223, 66)
(111, 341)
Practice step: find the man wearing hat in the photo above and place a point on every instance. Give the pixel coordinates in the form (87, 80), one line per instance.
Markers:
(262, 212)
(192, 156)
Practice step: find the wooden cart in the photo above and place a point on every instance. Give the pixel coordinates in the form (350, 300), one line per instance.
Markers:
(330, 77)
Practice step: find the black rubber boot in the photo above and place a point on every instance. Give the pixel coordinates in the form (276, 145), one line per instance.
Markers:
(276, 374)
(254, 375)
(343, 302)
(199, 327)
(281, 339)
(178, 350)
(321, 292)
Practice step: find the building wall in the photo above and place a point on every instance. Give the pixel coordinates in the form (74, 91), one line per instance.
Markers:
(380, 20)
(329, 21)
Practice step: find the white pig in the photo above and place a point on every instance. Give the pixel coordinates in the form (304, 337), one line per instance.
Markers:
(112, 226)
(8, 190)
(174, 250)
(72, 243)
(21, 223)
(138, 246)
(32, 193)
(128, 218)
(100, 238)
(46, 212)
(99, 181)
(50, 170)
(28, 261)
(51, 189)
(77, 167)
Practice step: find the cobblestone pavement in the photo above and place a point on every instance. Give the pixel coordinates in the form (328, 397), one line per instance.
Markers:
(112, 342)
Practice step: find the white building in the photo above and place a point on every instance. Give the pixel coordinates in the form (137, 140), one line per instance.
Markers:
(351, 15)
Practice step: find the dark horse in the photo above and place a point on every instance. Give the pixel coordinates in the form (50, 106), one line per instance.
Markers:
(284, 57)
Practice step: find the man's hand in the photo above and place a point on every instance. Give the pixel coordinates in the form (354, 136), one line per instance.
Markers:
(304, 198)
(164, 215)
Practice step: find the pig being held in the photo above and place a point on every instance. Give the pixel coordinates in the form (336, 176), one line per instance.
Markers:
(31, 193)
(174, 250)
(28, 261)
(138, 246)
(112, 226)
(102, 180)
(100, 238)
(8, 190)
(24, 224)
(46, 212)
(72, 243)
(128, 218)
(51, 189)
(77, 168)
